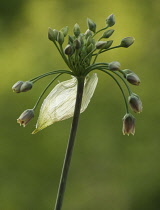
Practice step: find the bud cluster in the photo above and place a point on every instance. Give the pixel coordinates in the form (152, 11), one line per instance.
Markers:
(80, 51)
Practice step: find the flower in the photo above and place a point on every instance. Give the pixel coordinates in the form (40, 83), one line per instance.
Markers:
(133, 79)
(128, 124)
(110, 21)
(135, 103)
(59, 104)
(25, 117)
(26, 86)
(127, 41)
(17, 86)
(114, 66)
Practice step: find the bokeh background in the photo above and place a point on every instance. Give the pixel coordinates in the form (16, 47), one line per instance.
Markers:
(109, 171)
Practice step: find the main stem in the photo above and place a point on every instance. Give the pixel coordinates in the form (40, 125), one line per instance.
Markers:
(68, 155)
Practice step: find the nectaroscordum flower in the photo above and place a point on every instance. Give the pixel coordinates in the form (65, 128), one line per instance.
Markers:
(71, 97)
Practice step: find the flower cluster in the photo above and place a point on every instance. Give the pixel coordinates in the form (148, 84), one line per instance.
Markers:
(80, 52)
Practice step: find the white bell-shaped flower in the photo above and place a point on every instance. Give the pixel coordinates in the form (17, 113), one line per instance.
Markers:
(60, 103)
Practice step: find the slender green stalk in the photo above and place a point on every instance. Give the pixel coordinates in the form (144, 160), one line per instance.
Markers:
(125, 100)
(68, 155)
(100, 30)
(108, 49)
(50, 73)
(45, 91)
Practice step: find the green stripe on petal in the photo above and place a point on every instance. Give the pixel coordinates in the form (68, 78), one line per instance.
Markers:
(60, 103)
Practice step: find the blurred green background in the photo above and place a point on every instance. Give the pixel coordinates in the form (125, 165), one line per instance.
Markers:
(109, 171)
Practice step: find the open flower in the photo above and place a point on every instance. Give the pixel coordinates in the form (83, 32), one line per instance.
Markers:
(60, 103)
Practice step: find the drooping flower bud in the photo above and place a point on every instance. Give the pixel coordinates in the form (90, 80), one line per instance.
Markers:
(60, 38)
(114, 66)
(52, 34)
(135, 103)
(76, 30)
(101, 44)
(91, 25)
(127, 41)
(128, 124)
(26, 86)
(17, 86)
(107, 33)
(68, 50)
(110, 21)
(133, 79)
(25, 117)
(64, 30)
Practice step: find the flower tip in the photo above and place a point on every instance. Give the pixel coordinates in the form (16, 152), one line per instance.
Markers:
(35, 131)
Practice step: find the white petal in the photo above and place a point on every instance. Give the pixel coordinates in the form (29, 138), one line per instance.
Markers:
(60, 103)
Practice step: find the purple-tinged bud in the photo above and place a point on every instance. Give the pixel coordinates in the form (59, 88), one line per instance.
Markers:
(60, 38)
(126, 42)
(133, 79)
(26, 86)
(64, 30)
(68, 50)
(114, 66)
(128, 124)
(110, 21)
(76, 30)
(17, 86)
(91, 25)
(100, 44)
(107, 33)
(135, 103)
(25, 117)
(52, 34)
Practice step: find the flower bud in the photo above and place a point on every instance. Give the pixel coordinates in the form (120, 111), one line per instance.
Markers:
(26, 86)
(64, 30)
(60, 38)
(16, 87)
(133, 79)
(108, 44)
(52, 34)
(91, 25)
(101, 44)
(90, 48)
(114, 66)
(88, 33)
(128, 124)
(126, 71)
(25, 117)
(107, 33)
(110, 21)
(77, 44)
(68, 50)
(76, 30)
(135, 103)
(126, 42)
(70, 39)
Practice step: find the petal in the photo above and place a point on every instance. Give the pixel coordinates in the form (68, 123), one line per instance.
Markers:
(60, 103)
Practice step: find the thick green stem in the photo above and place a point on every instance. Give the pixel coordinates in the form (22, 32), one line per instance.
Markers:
(68, 155)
